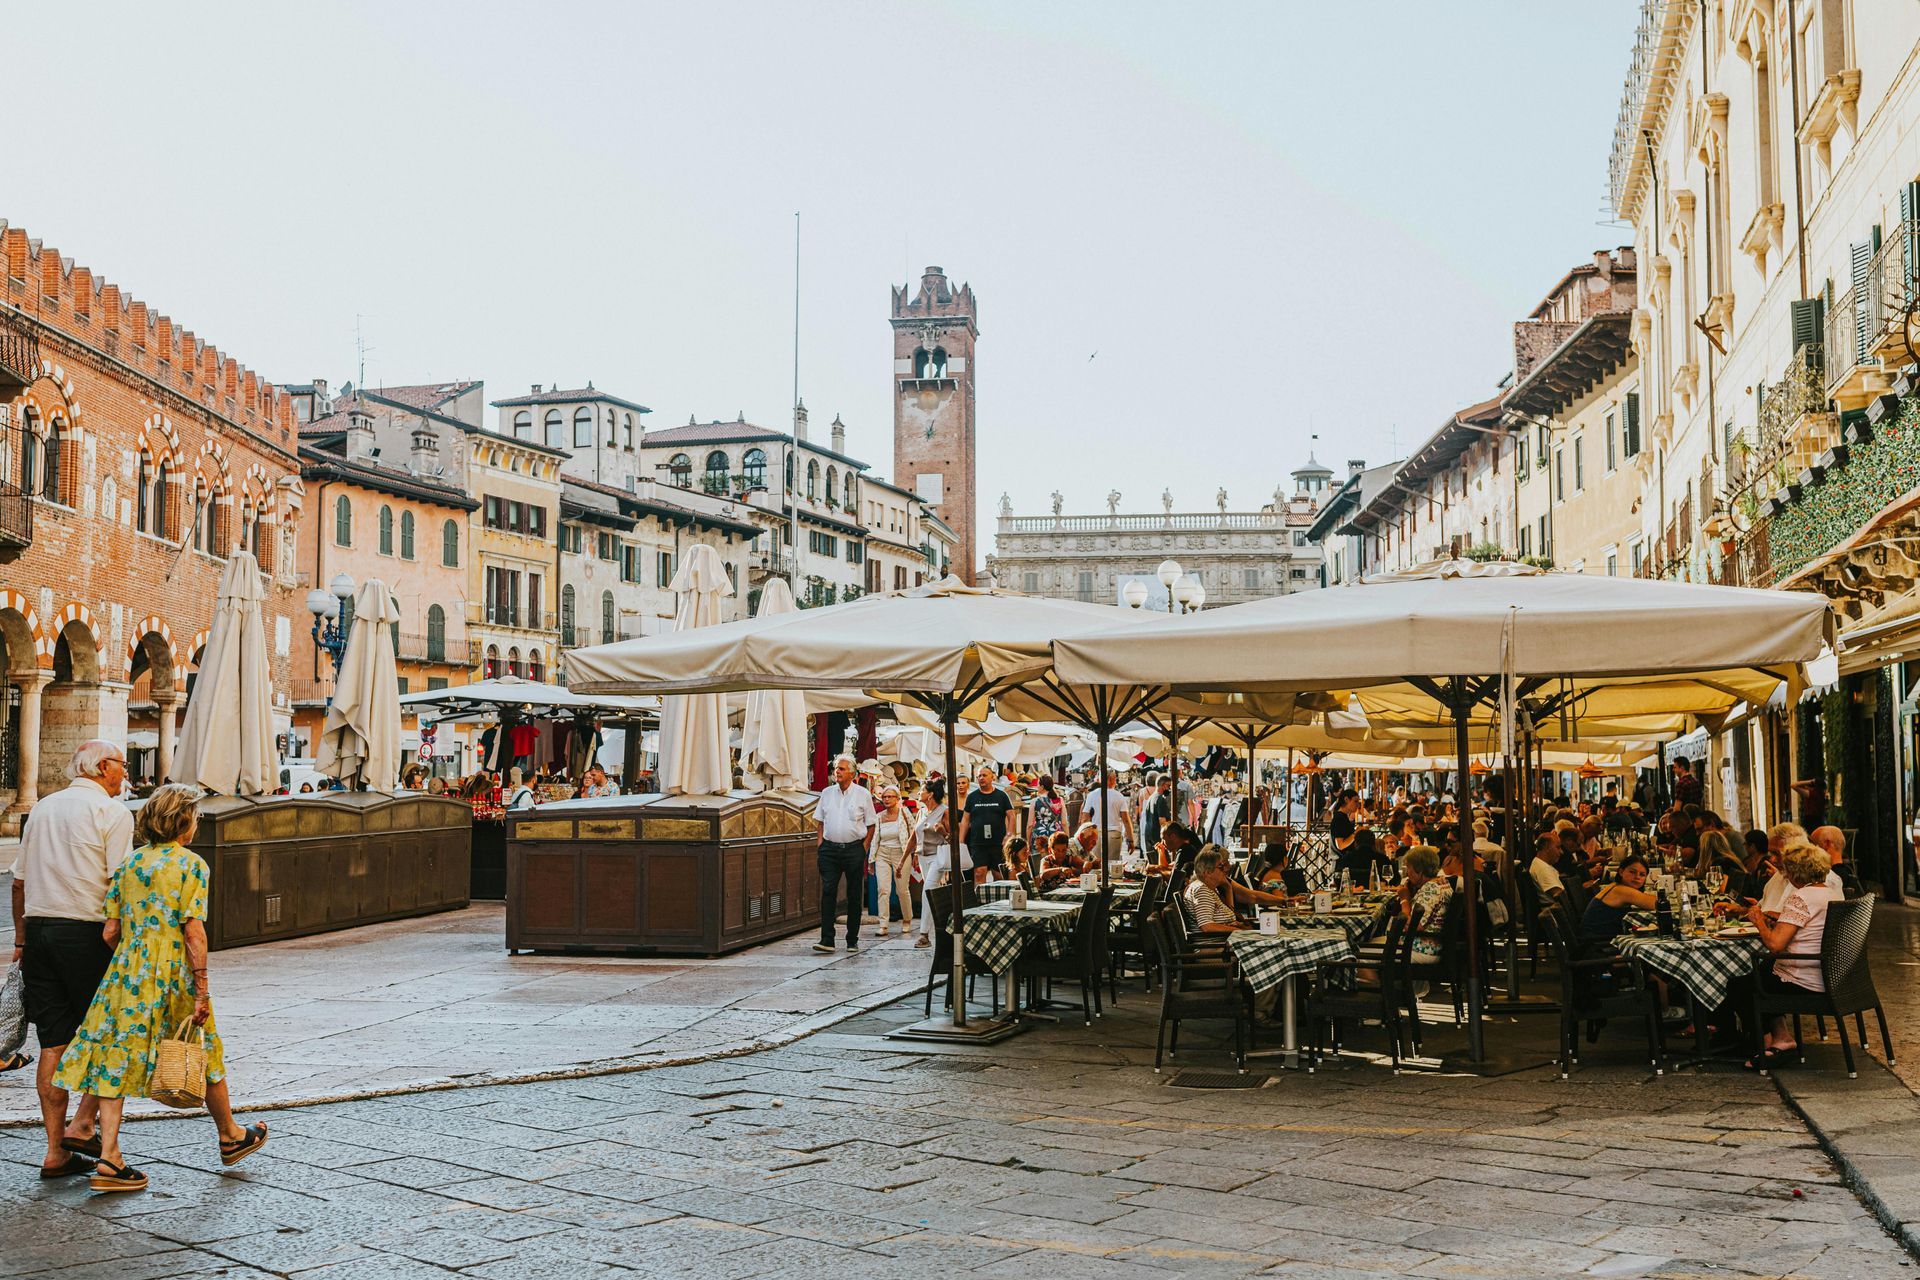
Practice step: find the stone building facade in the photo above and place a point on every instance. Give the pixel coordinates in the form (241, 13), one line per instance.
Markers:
(1234, 555)
(935, 332)
(134, 457)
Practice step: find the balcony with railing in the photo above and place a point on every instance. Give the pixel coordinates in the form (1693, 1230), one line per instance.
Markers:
(16, 505)
(772, 562)
(1184, 521)
(19, 353)
(720, 484)
(435, 647)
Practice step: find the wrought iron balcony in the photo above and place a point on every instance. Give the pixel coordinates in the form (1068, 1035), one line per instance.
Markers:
(19, 353)
(16, 505)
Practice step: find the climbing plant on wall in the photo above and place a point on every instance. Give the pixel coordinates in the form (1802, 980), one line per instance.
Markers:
(1852, 493)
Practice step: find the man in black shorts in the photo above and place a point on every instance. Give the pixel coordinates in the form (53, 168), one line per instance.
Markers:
(74, 841)
(983, 823)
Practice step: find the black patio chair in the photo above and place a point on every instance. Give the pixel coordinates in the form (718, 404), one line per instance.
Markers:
(1596, 988)
(1529, 917)
(1127, 938)
(939, 904)
(1081, 963)
(1337, 996)
(1188, 990)
(1846, 974)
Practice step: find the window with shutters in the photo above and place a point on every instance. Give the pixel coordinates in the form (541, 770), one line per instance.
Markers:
(406, 535)
(567, 636)
(1559, 475)
(663, 569)
(1579, 464)
(1520, 458)
(607, 631)
(1030, 583)
(608, 546)
(386, 530)
(450, 544)
(629, 563)
(436, 633)
(342, 519)
(1630, 425)
(1086, 586)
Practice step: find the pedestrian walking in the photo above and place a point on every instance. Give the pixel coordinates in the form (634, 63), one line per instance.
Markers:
(845, 814)
(74, 842)
(1048, 814)
(892, 849)
(156, 914)
(983, 821)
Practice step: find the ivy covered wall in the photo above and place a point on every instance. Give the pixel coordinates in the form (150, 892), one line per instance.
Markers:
(1837, 507)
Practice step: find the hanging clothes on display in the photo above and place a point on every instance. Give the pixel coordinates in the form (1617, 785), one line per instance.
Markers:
(866, 733)
(522, 739)
(489, 741)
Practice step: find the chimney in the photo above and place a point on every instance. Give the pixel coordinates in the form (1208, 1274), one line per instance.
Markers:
(839, 435)
(536, 388)
(425, 460)
(359, 433)
(1356, 465)
(800, 421)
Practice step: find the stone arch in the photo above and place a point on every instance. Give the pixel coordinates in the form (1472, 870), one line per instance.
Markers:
(28, 648)
(76, 647)
(151, 653)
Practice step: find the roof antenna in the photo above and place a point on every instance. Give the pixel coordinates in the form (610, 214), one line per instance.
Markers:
(360, 348)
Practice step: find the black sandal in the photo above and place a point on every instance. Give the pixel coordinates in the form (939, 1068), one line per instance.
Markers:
(232, 1153)
(73, 1166)
(108, 1176)
(1767, 1059)
(16, 1061)
(88, 1147)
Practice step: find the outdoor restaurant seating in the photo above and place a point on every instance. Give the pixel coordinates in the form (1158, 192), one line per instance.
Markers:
(1340, 996)
(1848, 978)
(1128, 940)
(1190, 990)
(1594, 989)
(939, 903)
(1081, 963)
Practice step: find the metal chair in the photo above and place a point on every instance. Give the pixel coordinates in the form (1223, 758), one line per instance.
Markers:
(1596, 988)
(938, 903)
(1331, 1005)
(1846, 974)
(1187, 991)
(1081, 963)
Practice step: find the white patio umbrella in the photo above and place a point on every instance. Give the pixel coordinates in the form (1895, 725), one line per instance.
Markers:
(226, 744)
(360, 741)
(773, 755)
(693, 727)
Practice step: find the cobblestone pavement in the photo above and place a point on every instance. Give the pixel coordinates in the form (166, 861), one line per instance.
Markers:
(414, 1002)
(1059, 1153)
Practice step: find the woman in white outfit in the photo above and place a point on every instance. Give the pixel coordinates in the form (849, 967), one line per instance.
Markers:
(890, 845)
(935, 839)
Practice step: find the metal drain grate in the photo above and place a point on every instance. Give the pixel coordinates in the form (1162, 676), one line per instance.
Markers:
(1217, 1080)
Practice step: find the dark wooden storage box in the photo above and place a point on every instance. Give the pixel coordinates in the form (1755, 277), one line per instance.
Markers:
(284, 866)
(694, 875)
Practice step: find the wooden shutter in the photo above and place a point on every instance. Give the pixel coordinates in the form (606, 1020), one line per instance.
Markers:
(1809, 321)
(1909, 236)
(1631, 431)
(1861, 261)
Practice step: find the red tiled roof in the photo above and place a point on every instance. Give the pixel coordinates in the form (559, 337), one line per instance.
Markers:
(427, 395)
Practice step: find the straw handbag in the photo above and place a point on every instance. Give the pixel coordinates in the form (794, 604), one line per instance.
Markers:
(179, 1077)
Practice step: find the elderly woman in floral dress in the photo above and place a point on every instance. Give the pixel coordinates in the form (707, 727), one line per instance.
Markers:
(156, 911)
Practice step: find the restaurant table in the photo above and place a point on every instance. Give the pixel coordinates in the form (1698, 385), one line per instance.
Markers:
(1124, 895)
(1706, 966)
(997, 934)
(1269, 960)
(1355, 924)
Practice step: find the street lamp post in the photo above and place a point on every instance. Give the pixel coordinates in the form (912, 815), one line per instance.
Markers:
(324, 605)
(1184, 595)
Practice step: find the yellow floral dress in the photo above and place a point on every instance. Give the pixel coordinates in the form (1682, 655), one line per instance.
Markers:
(148, 990)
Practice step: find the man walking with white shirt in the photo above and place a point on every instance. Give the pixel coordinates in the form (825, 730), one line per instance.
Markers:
(74, 841)
(847, 818)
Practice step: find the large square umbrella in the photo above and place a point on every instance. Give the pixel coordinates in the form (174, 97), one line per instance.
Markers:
(226, 744)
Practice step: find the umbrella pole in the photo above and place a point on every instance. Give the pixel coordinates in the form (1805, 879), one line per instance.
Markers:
(1173, 772)
(1101, 776)
(949, 712)
(1469, 882)
(1250, 741)
(1288, 819)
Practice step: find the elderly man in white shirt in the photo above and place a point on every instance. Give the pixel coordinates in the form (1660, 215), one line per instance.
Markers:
(74, 841)
(847, 818)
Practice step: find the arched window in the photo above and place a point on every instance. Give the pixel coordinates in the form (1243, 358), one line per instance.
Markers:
(513, 662)
(582, 428)
(937, 364)
(920, 362)
(789, 471)
(406, 535)
(556, 430)
(717, 464)
(160, 490)
(523, 425)
(680, 468)
(209, 532)
(833, 485)
(50, 462)
(606, 616)
(493, 661)
(851, 496)
(258, 543)
(626, 433)
(342, 522)
(450, 543)
(386, 530)
(755, 467)
(536, 667)
(142, 493)
(566, 616)
(436, 633)
(813, 478)
(30, 452)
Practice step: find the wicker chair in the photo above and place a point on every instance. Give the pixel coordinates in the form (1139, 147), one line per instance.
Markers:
(1209, 990)
(1331, 1005)
(1596, 988)
(939, 905)
(1081, 963)
(1847, 976)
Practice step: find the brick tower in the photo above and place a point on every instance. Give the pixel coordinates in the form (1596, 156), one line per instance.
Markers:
(934, 333)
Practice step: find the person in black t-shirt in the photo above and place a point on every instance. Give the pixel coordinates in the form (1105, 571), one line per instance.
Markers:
(983, 823)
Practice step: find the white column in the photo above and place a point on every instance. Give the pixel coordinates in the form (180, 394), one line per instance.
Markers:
(28, 792)
(167, 708)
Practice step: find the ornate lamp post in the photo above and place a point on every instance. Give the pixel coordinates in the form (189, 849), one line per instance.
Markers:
(324, 605)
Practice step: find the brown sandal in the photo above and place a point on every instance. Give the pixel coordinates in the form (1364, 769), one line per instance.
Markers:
(88, 1147)
(108, 1176)
(71, 1167)
(232, 1153)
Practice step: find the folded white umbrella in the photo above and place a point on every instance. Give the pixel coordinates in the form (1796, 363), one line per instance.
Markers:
(226, 744)
(360, 742)
(773, 755)
(693, 727)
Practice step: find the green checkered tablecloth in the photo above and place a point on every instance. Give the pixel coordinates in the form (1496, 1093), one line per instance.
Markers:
(996, 890)
(1267, 960)
(1353, 926)
(1705, 966)
(997, 934)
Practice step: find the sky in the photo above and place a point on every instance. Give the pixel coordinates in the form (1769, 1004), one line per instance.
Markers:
(1205, 239)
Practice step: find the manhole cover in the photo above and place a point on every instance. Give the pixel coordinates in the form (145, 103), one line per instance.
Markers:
(1218, 1080)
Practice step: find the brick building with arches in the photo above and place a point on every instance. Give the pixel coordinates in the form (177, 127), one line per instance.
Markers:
(134, 458)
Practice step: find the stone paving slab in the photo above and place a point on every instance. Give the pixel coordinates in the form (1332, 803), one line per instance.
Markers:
(436, 1001)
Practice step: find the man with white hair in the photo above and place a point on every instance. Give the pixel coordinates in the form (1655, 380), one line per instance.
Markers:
(847, 818)
(1833, 842)
(74, 841)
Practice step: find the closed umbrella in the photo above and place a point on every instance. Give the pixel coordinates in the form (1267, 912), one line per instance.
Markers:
(773, 754)
(693, 727)
(360, 743)
(227, 743)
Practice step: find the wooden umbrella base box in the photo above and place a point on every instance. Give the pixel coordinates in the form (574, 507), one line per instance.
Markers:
(679, 875)
(288, 866)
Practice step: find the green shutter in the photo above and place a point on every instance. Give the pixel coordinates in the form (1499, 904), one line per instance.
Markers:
(1631, 433)
(1809, 321)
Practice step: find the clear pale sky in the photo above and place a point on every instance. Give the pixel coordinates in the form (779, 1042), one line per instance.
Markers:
(1267, 220)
